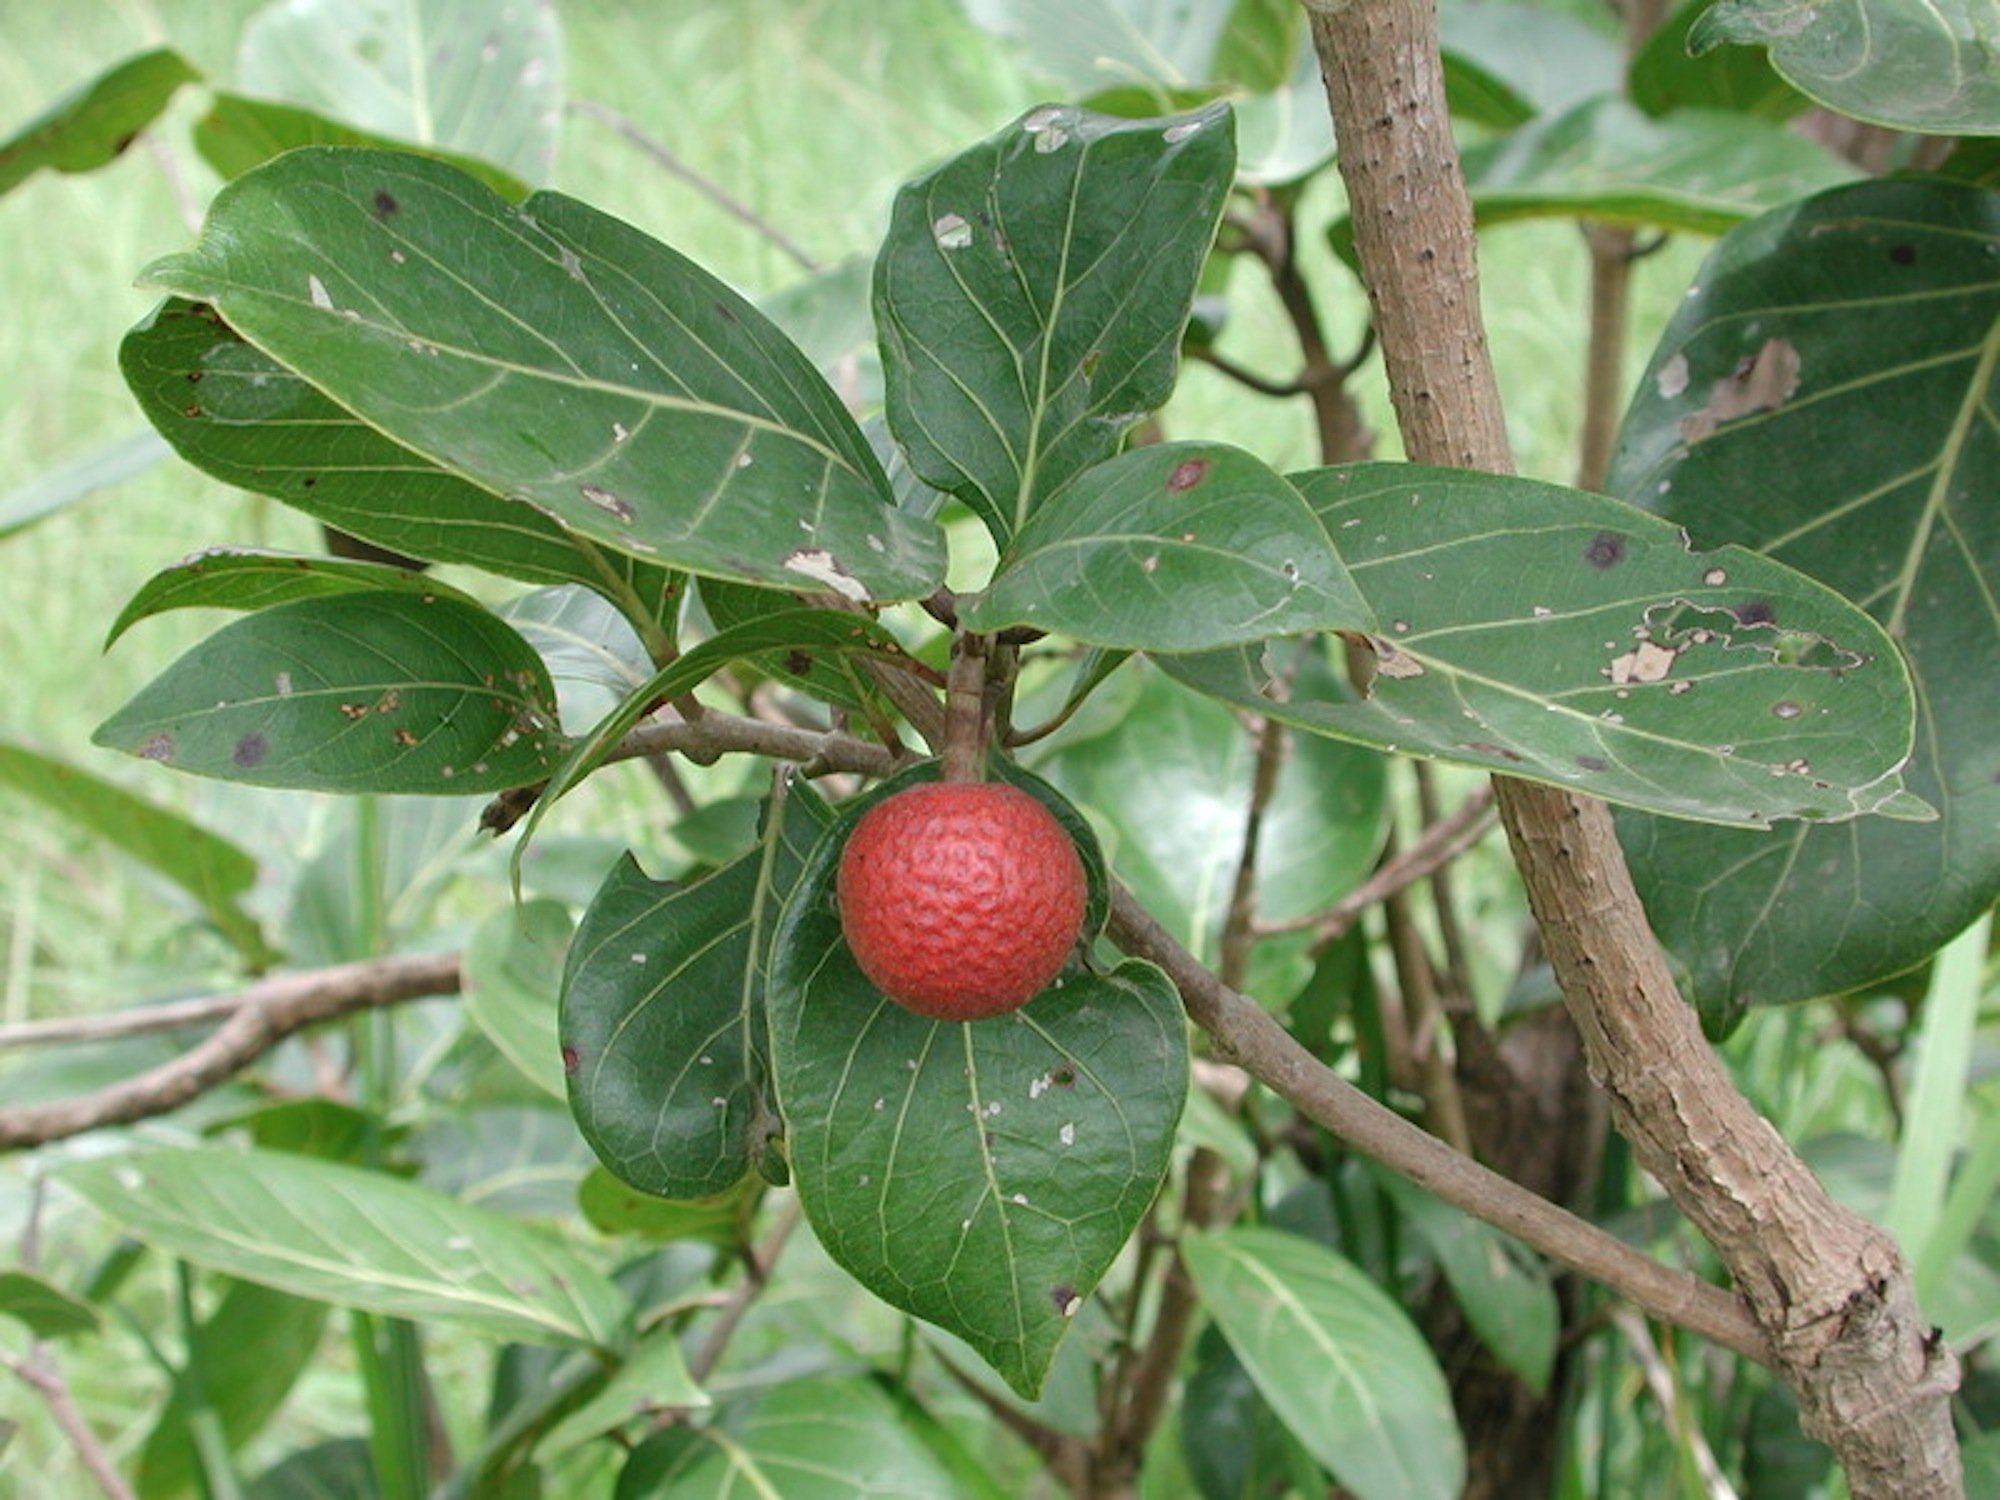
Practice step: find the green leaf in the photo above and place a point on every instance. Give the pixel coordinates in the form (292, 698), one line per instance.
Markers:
(1505, 64)
(594, 656)
(610, 1207)
(980, 1176)
(1822, 395)
(1504, 1291)
(513, 975)
(211, 869)
(670, 419)
(1089, 45)
(243, 578)
(1233, 1442)
(820, 1438)
(1336, 1358)
(342, 1469)
(663, 1030)
(101, 468)
(1173, 547)
(92, 125)
(830, 678)
(1925, 65)
(237, 414)
(374, 692)
(653, 1379)
(356, 1239)
(1172, 788)
(1664, 77)
(1031, 295)
(254, 1347)
(1568, 638)
(46, 1309)
(239, 133)
(484, 78)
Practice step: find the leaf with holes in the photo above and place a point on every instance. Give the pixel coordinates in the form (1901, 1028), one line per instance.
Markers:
(1339, 1361)
(1031, 295)
(93, 125)
(662, 1019)
(980, 1176)
(356, 692)
(235, 413)
(1173, 547)
(484, 78)
(820, 1438)
(1569, 638)
(1824, 394)
(1912, 64)
(555, 356)
(356, 1239)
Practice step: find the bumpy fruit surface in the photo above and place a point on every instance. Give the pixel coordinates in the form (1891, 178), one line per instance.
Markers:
(960, 900)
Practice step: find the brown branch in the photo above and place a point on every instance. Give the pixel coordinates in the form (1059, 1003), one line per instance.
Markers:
(40, 1373)
(1239, 927)
(758, 1266)
(713, 191)
(1831, 1293)
(261, 1017)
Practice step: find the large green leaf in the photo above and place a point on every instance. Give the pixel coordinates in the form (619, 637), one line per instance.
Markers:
(1173, 547)
(1336, 1358)
(235, 413)
(239, 133)
(1569, 638)
(663, 1030)
(352, 692)
(1031, 295)
(981, 1176)
(556, 356)
(823, 1438)
(254, 1347)
(211, 869)
(1089, 45)
(1931, 65)
(1825, 394)
(356, 1239)
(484, 77)
(94, 123)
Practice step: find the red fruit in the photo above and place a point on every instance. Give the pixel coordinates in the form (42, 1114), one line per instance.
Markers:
(960, 900)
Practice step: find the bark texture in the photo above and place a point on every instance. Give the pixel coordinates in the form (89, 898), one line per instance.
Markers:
(1831, 1292)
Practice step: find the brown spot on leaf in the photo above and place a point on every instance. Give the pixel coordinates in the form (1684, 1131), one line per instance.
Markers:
(1756, 612)
(385, 205)
(798, 663)
(1606, 550)
(1487, 747)
(1591, 762)
(1187, 475)
(1903, 255)
(571, 1061)
(158, 747)
(1763, 381)
(727, 313)
(1061, 1297)
(250, 751)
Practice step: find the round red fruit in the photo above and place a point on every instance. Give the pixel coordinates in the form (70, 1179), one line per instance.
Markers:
(960, 900)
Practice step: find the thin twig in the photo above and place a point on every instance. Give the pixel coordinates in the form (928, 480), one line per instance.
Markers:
(1244, 376)
(720, 196)
(262, 1016)
(758, 1265)
(1660, 1382)
(40, 1373)
(1239, 927)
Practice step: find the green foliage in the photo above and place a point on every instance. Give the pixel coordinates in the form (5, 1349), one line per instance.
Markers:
(94, 124)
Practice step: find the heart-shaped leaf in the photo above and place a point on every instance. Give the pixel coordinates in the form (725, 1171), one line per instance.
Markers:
(1822, 394)
(484, 78)
(1173, 547)
(663, 1030)
(1912, 64)
(356, 1239)
(357, 692)
(554, 355)
(1031, 295)
(92, 125)
(980, 1176)
(1337, 1359)
(235, 413)
(1568, 638)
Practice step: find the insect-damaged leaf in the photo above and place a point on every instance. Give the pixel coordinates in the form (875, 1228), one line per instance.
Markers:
(662, 1020)
(1568, 638)
(94, 124)
(353, 692)
(556, 356)
(1824, 394)
(981, 1176)
(1031, 295)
